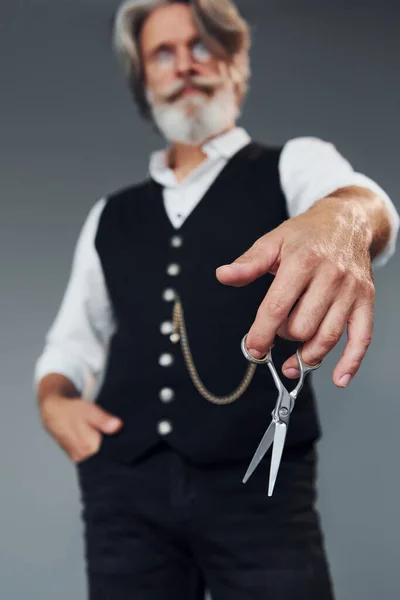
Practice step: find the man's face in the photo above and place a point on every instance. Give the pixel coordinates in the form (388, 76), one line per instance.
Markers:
(186, 86)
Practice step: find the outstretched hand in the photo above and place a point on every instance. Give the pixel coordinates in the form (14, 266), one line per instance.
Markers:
(320, 260)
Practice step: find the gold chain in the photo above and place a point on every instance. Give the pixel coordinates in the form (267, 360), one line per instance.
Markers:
(180, 333)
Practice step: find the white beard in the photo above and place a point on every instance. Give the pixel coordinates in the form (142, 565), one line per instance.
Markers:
(206, 118)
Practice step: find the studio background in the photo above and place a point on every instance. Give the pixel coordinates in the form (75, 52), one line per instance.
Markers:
(70, 134)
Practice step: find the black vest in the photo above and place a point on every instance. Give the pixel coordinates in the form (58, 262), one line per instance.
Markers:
(134, 245)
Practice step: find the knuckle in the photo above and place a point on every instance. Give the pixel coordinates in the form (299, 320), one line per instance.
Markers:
(366, 339)
(244, 258)
(337, 274)
(250, 255)
(301, 331)
(307, 258)
(314, 355)
(352, 286)
(330, 337)
(364, 286)
(255, 247)
(354, 363)
(328, 340)
(369, 290)
(276, 308)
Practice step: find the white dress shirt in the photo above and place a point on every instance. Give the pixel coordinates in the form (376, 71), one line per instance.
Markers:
(77, 341)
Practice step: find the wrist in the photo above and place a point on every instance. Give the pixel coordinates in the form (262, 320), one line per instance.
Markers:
(55, 386)
(363, 211)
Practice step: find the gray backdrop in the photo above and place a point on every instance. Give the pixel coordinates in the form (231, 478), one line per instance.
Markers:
(68, 135)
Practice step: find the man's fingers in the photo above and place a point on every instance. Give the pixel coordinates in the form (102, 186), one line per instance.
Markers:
(288, 285)
(261, 258)
(359, 334)
(85, 443)
(103, 420)
(359, 319)
(325, 339)
(310, 310)
(78, 425)
(79, 440)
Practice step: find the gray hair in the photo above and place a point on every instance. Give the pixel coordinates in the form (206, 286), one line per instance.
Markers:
(222, 29)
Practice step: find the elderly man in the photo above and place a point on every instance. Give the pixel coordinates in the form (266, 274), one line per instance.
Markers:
(162, 451)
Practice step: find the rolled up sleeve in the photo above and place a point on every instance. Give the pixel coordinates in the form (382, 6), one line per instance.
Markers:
(311, 169)
(76, 343)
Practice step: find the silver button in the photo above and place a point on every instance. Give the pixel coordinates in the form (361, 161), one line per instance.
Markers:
(166, 327)
(176, 241)
(169, 295)
(166, 360)
(164, 427)
(173, 269)
(166, 395)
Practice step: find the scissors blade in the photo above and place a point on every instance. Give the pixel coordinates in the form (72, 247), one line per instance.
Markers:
(279, 443)
(263, 446)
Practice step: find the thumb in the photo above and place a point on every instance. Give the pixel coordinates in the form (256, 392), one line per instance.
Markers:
(263, 257)
(103, 420)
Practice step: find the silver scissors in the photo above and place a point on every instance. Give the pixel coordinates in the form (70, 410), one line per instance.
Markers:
(276, 432)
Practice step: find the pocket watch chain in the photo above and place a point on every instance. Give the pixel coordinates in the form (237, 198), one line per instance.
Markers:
(180, 334)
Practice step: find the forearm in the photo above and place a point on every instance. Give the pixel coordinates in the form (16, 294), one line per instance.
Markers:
(365, 210)
(55, 384)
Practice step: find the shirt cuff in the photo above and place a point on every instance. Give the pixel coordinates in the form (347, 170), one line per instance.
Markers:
(58, 362)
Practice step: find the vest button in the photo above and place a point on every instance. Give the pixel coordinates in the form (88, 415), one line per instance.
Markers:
(173, 269)
(166, 360)
(176, 241)
(166, 395)
(164, 427)
(169, 295)
(166, 327)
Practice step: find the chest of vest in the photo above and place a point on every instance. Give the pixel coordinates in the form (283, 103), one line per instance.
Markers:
(137, 245)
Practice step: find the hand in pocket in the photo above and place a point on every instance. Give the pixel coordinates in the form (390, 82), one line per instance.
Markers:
(77, 425)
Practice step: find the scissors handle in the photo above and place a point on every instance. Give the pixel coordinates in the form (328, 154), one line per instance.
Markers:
(304, 370)
(250, 358)
(267, 359)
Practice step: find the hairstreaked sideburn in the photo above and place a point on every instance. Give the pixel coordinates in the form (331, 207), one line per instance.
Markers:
(225, 33)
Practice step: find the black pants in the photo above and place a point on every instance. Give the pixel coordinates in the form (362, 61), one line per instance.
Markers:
(167, 529)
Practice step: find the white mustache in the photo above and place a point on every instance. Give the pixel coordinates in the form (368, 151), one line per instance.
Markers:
(204, 84)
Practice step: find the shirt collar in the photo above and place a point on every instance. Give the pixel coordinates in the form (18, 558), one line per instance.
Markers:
(227, 144)
(224, 146)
